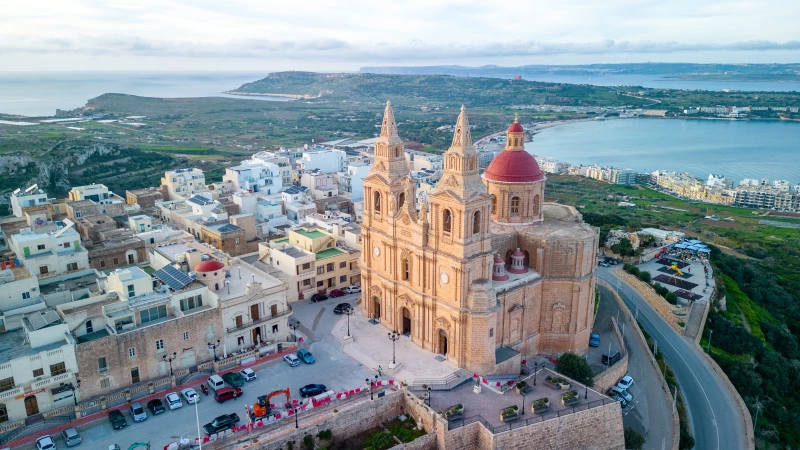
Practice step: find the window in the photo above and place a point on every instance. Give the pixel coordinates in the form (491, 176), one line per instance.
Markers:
(306, 266)
(491, 332)
(320, 270)
(154, 313)
(102, 263)
(331, 267)
(401, 199)
(160, 344)
(131, 288)
(38, 373)
(319, 283)
(447, 221)
(104, 384)
(66, 244)
(191, 302)
(342, 265)
(3, 413)
(237, 241)
(116, 261)
(89, 326)
(77, 214)
(132, 352)
(275, 328)
(40, 247)
(26, 295)
(476, 222)
(6, 384)
(134, 375)
(72, 266)
(101, 365)
(514, 205)
(306, 282)
(343, 279)
(152, 240)
(377, 202)
(406, 269)
(329, 245)
(185, 335)
(43, 270)
(58, 369)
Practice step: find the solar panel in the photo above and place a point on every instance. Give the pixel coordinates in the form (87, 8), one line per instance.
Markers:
(227, 228)
(173, 277)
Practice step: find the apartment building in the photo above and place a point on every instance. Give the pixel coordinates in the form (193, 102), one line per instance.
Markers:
(32, 197)
(336, 267)
(293, 265)
(417, 160)
(183, 183)
(39, 369)
(145, 198)
(98, 193)
(352, 181)
(255, 176)
(283, 161)
(320, 184)
(622, 176)
(297, 203)
(329, 161)
(53, 256)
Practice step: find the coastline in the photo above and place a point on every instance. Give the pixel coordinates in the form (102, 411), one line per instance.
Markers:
(260, 94)
(485, 144)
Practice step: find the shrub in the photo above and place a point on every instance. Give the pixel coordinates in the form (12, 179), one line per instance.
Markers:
(308, 442)
(575, 367)
(379, 441)
(572, 394)
(325, 435)
(633, 439)
(544, 401)
(631, 269)
(671, 298)
(644, 276)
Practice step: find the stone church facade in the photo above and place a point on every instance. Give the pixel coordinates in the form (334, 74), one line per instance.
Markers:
(485, 273)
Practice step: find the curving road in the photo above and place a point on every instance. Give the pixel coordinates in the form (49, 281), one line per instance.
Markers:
(716, 421)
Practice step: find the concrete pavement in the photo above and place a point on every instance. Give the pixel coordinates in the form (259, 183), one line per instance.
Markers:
(716, 422)
(649, 414)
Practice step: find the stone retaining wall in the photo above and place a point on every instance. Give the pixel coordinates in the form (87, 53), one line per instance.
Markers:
(668, 312)
(748, 419)
(608, 378)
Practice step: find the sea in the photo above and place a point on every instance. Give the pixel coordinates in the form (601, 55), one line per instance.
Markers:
(38, 94)
(664, 82)
(735, 149)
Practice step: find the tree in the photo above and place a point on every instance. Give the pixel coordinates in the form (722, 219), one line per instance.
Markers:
(644, 276)
(633, 439)
(575, 367)
(623, 248)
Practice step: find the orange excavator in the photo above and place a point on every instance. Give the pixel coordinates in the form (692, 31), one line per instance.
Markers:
(261, 407)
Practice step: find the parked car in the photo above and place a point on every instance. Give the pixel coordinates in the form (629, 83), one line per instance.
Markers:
(117, 420)
(318, 297)
(70, 437)
(233, 379)
(594, 340)
(222, 395)
(341, 308)
(603, 264)
(190, 395)
(45, 443)
(311, 390)
(137, 412)
(248, 374)
(337, 293)
(221, 423)
(291, 360)
(173, 401)
(352, 289)
(621, 400)
(215, 382)
(305, 356)
(156, 406)
(611, 359)
(626, 382)
(622, 393)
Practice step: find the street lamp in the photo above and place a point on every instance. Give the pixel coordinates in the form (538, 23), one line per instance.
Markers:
(296, 423)
(535, 369)
(586, 394)
(213, 346)
(228, 285)
(394, 337)
(294, 327)
(710, 332)
(170, 359)
(429, 396)
(72, 388)
(349, 312)
(523, 402)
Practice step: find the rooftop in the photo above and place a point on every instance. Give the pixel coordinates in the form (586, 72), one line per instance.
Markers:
(13, 346)
(329, 253)
(311, 234)
(171, 250)
(224, 227)
(240, 275)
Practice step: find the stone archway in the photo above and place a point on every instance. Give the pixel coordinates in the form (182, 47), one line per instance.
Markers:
(441, 345)
(406, 313)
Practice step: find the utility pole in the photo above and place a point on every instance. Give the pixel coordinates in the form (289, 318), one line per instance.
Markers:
(710, 332)
(758, 409)
(675, 399)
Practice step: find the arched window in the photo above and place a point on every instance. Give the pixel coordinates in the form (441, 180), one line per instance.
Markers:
(447, 221)
(514, 205)
(377, 202)
(476, 222)
(3, 413)
(401, 198)
(494, 205)
(406, 269)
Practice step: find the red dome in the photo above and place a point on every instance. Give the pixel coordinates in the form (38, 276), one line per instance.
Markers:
(514, 166)
(516, 127)
(518, 253)
(498, 259)
(211, 265)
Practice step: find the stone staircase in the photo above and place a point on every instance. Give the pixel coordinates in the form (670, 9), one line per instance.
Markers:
(695, 324)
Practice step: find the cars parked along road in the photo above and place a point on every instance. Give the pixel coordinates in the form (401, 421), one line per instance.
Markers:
(190, 395)
(137, 412)
(305, 356)
(156, 406)
(45, 443)
(173, 401)
(594, 340)
(70, 437)
(117, 420)
(221, 423)
(234, 379)
(352, 289)
(292, 360)
(311, 390)
(318, 297)
(248, 374)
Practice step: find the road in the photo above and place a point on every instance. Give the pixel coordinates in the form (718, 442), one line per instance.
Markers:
(649, 413)
(716, 421)
(333, 368)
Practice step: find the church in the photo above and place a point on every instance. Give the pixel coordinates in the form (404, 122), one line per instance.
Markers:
(485, 273)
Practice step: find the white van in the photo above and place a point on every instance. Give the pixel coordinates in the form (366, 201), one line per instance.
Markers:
(215, 382)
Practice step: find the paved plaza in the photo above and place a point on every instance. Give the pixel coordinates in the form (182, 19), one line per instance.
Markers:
(693, 282)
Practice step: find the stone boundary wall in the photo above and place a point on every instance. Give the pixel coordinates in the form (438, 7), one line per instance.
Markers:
(703, 323)
(748, 419)
(608, 378)
(667, 311)
(427, 442)
(676, 434)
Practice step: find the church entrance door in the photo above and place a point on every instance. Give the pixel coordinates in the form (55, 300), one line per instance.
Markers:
(406, 322)
(442, 342)
(376, 307)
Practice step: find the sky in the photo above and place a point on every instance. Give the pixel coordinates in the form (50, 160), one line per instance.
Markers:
(236, 35)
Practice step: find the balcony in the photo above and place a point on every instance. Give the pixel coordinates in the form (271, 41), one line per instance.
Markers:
(261, 320)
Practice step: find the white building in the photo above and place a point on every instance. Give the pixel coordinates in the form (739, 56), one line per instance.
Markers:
(283, 161)
(18, 288)
(97, 193)
(320, 184)
(293, 265)
(547, 164)
(53, 257)
(417, 160)
(39, 368)
(355, 179)
(255, 176)
(297, 204)
(29, 198)
(323, 160)
(183, 183)
(328, 220)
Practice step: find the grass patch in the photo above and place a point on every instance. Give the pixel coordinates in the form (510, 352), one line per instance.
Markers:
(739, 302)
(406, 430)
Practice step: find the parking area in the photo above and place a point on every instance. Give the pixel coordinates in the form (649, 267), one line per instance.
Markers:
(332, 367)
(608, 339)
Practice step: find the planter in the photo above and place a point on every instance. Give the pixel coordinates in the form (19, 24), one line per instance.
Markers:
(523, 388)
(557, 382)
(571, 402)
(454, 412)
(565, 386)
(509, 414)
(570, 398)
(541, 405)
(540, 410)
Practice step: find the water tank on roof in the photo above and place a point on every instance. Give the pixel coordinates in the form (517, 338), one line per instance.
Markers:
(112, 294)
(204, 258)
(180, 258)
